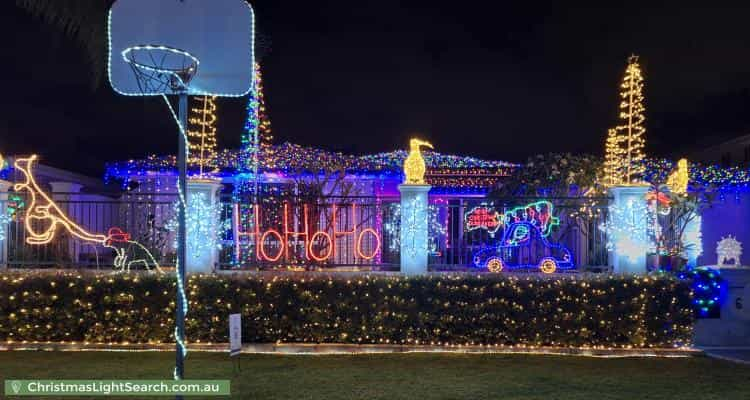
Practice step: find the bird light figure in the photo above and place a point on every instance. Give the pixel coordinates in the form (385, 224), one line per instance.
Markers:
(678, 179)
(3, 164)
(414, 165)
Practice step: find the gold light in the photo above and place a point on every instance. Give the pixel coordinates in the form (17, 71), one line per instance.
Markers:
(624, 150)
(414, 165)
(613, 159)
(203, 134)
(678, 179)
(46, 209)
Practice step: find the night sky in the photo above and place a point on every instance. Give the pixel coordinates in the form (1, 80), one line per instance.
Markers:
(494, 81)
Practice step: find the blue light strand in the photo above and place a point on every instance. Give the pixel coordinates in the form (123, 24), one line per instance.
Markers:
(518, 234)
(180, 287)
(709, 290)
(193, 91)
(250, 138)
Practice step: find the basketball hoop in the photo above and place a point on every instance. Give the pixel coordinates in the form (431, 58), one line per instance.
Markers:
(161, 69)
(221, 32)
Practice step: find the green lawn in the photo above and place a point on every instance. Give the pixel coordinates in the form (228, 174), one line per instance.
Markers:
(410, 376)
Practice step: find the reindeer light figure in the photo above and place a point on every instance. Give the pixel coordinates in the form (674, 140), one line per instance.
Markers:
(129, 253)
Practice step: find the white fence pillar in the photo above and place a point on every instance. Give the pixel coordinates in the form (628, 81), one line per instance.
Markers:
(414, 228)
(627, 231)
(203, 258)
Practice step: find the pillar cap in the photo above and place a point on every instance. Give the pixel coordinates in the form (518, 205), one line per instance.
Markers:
(65, 187)
(629, 189)
(203, 179)
(416, 188)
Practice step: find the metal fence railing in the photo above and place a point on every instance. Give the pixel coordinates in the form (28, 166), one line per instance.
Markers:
(142, 216)
(279, 232)
(453, 242)
(324, 232)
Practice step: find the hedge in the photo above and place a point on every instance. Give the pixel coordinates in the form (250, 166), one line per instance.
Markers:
(608, 311)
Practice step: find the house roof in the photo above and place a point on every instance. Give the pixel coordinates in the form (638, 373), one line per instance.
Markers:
(291, 158)
(444, 170)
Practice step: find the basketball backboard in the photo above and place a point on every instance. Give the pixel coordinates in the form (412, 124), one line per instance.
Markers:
(212, 40)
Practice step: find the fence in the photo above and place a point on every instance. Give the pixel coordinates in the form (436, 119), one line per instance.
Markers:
(142, 216)
(310, 233)
(282, 232)
(454, 241)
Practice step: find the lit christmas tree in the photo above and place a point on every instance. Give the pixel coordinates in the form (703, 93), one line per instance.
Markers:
(631, 129)
(613, 159)
(256, 148)
(202, 134)
(257, 138)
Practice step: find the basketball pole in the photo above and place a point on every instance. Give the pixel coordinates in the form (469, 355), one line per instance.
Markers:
(181, 230)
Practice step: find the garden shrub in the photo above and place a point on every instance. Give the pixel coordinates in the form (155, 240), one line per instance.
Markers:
(608, 311)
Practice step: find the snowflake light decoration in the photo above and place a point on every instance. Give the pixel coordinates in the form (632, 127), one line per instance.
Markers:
(203, 221)
(624, 229)
(4, 221)
(436, 227)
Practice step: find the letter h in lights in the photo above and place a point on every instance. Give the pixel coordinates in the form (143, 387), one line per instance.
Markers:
(328, 241)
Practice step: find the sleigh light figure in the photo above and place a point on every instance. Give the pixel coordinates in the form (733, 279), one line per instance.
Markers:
(525, 245)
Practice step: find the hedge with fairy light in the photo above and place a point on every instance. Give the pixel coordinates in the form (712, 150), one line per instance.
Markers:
(608, 311)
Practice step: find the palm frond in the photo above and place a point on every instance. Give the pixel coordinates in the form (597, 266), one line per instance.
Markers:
(84, 21)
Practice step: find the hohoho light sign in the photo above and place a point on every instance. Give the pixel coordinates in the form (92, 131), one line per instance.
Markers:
(260, 237)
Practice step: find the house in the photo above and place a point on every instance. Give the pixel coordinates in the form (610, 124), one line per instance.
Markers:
(287, 164)
(733, 152)
(330, 209)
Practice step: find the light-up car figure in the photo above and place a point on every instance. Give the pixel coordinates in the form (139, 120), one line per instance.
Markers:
(524, 246)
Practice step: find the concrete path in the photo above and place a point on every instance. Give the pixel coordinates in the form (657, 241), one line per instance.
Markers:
(734, 354)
